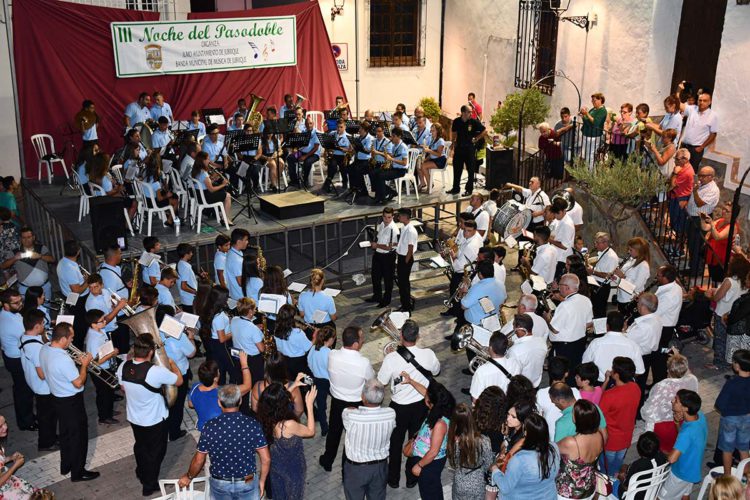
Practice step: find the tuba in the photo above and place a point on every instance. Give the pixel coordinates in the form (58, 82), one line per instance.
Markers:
(567, 196)
(145, 322)
(299, 100)
(253, 115)
(384, 322)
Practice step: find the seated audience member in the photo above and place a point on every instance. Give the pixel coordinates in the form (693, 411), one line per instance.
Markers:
(649, 458)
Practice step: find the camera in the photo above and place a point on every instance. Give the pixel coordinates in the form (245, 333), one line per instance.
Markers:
(398, 380)
(307, 380)
(234, 352)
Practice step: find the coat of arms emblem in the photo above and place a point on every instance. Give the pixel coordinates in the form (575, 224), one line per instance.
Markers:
(153, 56)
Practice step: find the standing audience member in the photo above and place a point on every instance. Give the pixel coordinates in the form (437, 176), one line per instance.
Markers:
(701, 203)
(738, 323)
(426, 451)
(490, 415)
(532, 471)
(594, 120)
(734, 406)
(231, 441)
(275, 371)
(587, 377)
(557, 370)
(285, 434)
(687, 455)
(204, 395)
(680, 190)
(620, 407)
(717, 239)
(724, 297)
(366, 446)
(564, 399)
(579, 453)
(701, 128)
(469, 454)
(11, 486)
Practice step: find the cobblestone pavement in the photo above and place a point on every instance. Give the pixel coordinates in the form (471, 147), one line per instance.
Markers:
(110, 447)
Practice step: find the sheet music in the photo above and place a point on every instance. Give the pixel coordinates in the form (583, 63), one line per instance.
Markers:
(592, 281)
(626, 286)
(600, 326)
(270, 303)
(487, 305)
(297, 287)
(287, 272)
(331, 292)
(64, 318)
(71, 299)
(538, 282)
(399, 318)
(526, 288)
(242, 169)
(439, 261)
(319, 316)
(364, 244)
(482, 335)
(188, 319)
(511, 242)
(130, 174)
(171, 326)
(231, 303)
(105, 349)
(491, 323)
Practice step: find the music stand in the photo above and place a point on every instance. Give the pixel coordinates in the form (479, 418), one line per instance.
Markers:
(352, 127)
(276, 127)
(214, 116)
(297, 140)
(408, 138)
(246, 142)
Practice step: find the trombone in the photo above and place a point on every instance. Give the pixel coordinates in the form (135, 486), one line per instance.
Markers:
(94, 369)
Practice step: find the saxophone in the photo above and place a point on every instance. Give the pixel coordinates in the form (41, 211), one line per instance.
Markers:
(268, 339)
(134, 295)
(261, 260)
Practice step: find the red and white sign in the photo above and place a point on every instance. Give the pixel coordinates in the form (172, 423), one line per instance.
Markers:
(341, 54)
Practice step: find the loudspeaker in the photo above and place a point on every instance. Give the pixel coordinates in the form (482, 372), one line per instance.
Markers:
(108, 223)
(500, 169)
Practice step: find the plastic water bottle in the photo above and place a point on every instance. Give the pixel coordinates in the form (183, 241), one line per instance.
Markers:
(176, 226)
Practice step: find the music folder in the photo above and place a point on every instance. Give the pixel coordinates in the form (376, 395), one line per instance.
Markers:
(327, 141)
(408, 138)
(214, 116)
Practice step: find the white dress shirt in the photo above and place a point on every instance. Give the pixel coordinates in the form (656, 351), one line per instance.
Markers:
(571, 318)
(710, 195)
(545, 262)
(606, 263)
(540, 329)
(565, 233)
(604, 350)
(348, 371)
(368, 433)
(408, 237)
(530, 352)
(489, 374)
(468, 250)
(547, 408)
(481, 217)
(387, 235)
(146, 408)
(394, 364)
(536, 201)
(576, 214)
(637, 275)
(646, 332)
(670, 303)
(699, 125)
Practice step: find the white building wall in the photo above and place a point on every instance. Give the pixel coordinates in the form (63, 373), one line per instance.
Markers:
(383, 88)
(9, 159)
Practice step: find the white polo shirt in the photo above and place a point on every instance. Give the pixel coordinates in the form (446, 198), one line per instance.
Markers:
(536, 201)
(468, 250)
(646, 332)
(530, 353)
(394, 364)
(545, 262)
(670, 303)
(348, 371)
(571, 318)
(637, 275)
(607, 263)
(565, 233)
(604, 350)
(489, 374)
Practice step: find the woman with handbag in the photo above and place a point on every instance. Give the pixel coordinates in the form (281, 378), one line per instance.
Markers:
(426, 452)
(738, 323)
(579, 454)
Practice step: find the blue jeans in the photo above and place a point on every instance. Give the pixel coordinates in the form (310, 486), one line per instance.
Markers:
(227, 490)
(614, 461)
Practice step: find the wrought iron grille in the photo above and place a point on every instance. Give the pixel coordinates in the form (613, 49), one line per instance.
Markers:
(536, 46)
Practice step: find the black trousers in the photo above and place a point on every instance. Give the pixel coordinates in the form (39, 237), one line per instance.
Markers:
(295, 165)
(149, 449)
(46, 416)
(379, 177)
(105, 399)
(74, 433)
(121, 338)
(23, 396)
(382, 275)
(695, 242)
(257, 367)
(80, 328)
(227, 368)
(174, 420)
(335, 429)
(659, 359)
(463, 156)
(559, 270)
(408, 420)
(357, 173)
(430, 485)
(573, 352)
(599, 300)
(403, 270)
(648, 363)
(337, 164)
(695, 157)
(455, 282)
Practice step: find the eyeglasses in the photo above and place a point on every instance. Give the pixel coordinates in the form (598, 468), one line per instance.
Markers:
(680, 158)
(705, 175)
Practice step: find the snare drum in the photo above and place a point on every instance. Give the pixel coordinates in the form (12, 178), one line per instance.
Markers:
(511, 219)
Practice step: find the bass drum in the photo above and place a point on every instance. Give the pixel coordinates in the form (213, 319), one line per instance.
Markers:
(511, 219)
(146, 133)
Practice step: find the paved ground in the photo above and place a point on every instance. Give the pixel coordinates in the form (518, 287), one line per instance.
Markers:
(110, 447)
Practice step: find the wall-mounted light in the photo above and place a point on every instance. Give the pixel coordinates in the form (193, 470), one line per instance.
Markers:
(337, 9)
(559, 7)
(743, 2)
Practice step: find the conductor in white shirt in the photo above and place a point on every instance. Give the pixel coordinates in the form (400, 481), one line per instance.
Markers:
(613, 344)
(348, 371)
(406, 401)
(670, 295)
(528, 350)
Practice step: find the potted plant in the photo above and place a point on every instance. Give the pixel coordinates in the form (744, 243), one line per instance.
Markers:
(504, 120)
(431, 108)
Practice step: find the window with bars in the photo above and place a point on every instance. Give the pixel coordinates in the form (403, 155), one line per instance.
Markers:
(536, 48)
(395, 33)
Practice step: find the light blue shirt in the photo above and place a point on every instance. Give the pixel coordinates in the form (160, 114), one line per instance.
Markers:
(68, 273)
(673, 121)
(89, 135)
(213, 149)
(94, 341)
(112, 278)
(137, 114)
(165, 296)
(106, 187)
(220, 264)
(185, 273)
(317, 361)
(163, 110)
(367, 145)
(152, 270)
(295, 346)
(103, 302)
(342, 141)
(400, 152)
(82, 175)
(201, 127)
(284, 108)
(179, 350)
(309, 302)
(220, 322)
(252, 288)
(232, 272)
(146, 408)
(435, 146)
(59, 371)
(312, 142)
(522, 480)
(245, 335)
(30, 362)
(486, 287)
(160, 139)
(423, 138)
(11, 330)
(382, 145)
(201, 184)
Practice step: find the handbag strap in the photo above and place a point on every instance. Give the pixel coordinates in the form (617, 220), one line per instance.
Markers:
(604, 452)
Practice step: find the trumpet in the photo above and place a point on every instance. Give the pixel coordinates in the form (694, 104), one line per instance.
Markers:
(115, 299)
(469, 273)
(94, 369)
(299, 100)
(384, 322)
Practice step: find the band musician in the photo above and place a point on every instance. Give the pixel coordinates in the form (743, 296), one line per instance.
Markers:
(534, 198)
(468, 250)
(384, 260)
(601, 268)
(399, 166)
(545, 261)
(361, 165)
(304, 157)
(87, 120)
(338, 157)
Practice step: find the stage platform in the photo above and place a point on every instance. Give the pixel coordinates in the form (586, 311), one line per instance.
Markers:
(297, 243)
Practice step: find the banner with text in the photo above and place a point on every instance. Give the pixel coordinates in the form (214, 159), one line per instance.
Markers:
(163, 48)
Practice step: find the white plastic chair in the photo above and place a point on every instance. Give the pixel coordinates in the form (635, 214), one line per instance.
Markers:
(647, 482)
(441, 171)
(189, 493)
(411, 163)
(146, 193)
(199, 204)
(318, 119)
(737, 472)
(46, 155)
(83, 204)
(178, 189)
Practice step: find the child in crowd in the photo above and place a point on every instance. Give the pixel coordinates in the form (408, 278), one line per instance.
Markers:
(587, 375)
(649, 458)
(96, 338)
(317, 360)
(734, 406)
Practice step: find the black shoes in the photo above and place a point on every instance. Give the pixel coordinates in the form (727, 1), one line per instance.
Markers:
(109, 421)
(453, 191)
(326, 468)
(32, 427)
(181, 435)
(53, 447)
(383, 303)
(393, 485)
(466, 371)
(466, 391)
(149, 490)
(88, 475)
(466, 193)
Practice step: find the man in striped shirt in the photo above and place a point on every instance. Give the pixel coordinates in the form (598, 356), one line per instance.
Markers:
(368, 436)
(702, 201)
